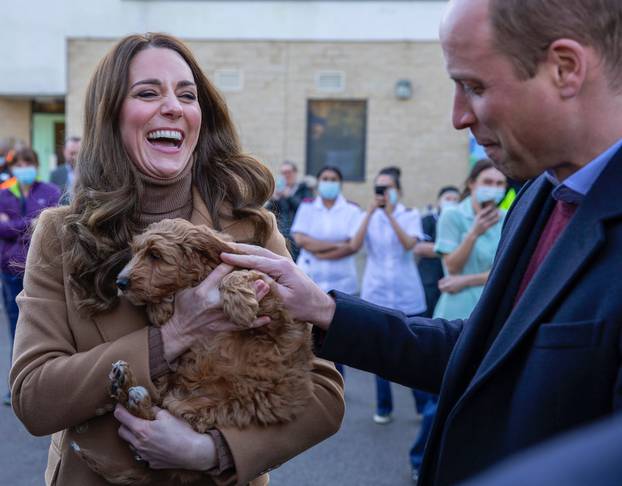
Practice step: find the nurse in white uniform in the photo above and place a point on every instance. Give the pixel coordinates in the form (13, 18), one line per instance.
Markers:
(390, 232)
(322, 229)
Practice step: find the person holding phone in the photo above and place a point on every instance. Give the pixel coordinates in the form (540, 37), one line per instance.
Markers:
(467, 237)
(390, 232)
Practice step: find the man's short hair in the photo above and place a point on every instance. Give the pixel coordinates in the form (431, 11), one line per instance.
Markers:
(291, 164)
(524, 29)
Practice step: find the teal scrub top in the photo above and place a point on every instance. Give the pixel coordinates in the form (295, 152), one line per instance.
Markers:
(453, 225)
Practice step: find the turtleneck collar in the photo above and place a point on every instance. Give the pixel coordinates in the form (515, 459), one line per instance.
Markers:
(169, 198)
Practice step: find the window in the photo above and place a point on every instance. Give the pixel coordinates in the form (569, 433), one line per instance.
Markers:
(336, 131)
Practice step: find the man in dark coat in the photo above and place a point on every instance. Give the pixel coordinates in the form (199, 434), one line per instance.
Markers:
(63, 175)
(539, 84)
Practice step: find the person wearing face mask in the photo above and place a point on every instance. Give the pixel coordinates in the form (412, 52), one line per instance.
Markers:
(289, 192)
(19, 205)
(322, 229)
(467, 238)
(390, 232)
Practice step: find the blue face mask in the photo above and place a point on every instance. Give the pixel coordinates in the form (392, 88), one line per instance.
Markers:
(329, 189)
(485, 194)
(280, 183)
(393, 196)
(25, 175)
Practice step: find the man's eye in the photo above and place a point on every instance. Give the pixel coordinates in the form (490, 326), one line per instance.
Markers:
(472, 89)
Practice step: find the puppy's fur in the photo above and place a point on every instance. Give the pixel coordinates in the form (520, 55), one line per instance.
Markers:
(234, 378)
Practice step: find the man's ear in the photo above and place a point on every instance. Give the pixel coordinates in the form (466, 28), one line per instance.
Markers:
(569, 61)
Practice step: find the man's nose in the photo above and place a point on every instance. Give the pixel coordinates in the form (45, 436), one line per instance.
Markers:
(462, 115)
(123, 283)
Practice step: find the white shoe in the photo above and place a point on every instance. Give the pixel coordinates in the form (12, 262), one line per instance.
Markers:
(382, 419)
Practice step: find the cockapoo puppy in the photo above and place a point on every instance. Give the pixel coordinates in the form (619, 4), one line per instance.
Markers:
(234, 378)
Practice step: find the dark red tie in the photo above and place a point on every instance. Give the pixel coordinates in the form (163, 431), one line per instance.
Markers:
(558, 220)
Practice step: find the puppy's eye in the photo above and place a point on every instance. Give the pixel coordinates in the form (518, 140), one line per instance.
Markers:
(154, 255)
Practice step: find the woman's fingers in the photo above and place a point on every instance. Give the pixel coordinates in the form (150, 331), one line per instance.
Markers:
(261, 321)
(220, 272)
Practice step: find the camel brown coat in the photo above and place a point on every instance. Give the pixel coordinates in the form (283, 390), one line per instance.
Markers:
(62, 360)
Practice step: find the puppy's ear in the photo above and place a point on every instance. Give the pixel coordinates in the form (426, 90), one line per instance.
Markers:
(207, 244)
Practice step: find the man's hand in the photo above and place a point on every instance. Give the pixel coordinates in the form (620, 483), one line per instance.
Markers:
(166, 442)
(303, 299)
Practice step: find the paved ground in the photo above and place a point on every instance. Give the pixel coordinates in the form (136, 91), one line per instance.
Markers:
(360, 454)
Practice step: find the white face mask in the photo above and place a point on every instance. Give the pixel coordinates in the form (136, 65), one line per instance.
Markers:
(489, 193)
(447, 204)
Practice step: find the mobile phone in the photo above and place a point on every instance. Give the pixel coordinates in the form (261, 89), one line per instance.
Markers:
(487, 204)
(380, 190)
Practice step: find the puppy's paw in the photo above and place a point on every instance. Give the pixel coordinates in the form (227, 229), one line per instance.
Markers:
(121, 379)
(139, 402)
(239, 302)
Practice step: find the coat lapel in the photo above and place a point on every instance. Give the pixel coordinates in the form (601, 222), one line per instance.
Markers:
(583, 236)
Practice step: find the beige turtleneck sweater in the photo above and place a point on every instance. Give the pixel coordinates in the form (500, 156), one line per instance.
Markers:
(166, 198)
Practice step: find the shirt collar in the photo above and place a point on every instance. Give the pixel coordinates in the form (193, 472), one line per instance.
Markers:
(340, 201)
(466, 207)
(576, 186)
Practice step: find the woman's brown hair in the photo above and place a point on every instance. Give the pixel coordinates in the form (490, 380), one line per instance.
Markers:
(104, 213)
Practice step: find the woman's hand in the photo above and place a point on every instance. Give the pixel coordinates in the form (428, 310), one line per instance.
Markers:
(166, 442)
(486, 218)
(453, 284)
(198, 313)
(376, 202)
(303, 299)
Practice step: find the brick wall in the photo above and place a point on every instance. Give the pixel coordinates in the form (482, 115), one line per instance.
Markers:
(15, 119)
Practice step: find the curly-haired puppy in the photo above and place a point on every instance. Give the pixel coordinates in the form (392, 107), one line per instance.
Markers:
(236, 378)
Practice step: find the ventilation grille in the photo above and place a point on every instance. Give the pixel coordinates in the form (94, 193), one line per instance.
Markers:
(229, 79)
(330, 81)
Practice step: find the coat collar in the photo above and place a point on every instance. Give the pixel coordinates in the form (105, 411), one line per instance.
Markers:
(583, 236)
(200, 214)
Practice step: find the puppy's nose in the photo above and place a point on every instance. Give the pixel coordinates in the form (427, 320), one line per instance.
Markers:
(123, 283)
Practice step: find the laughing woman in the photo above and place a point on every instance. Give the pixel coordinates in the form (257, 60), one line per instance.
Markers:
(158, 143)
